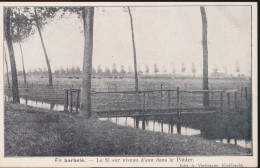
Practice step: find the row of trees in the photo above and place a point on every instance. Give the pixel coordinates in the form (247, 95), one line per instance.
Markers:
(114, 72)
(21, 22)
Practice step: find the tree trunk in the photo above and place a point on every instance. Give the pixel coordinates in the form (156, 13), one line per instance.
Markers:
(133, 41)
(24, 74)
(44, 49)
(15, 90)
(205, 57)
(7, 72)
(88, 22)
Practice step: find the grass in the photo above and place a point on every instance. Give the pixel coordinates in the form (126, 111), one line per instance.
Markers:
(31, 131)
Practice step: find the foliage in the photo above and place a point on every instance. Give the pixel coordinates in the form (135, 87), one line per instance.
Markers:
(156, 69)
(193, 68)
(183, 67)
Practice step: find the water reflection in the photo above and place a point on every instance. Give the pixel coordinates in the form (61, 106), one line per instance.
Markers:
(156, 126)
(49, 106)
(210, 127)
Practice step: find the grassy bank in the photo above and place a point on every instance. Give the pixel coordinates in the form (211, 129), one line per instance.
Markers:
(32, 131)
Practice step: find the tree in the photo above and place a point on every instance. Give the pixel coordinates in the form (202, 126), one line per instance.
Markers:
(156, 69)
(225, 70)
(94, 72)
(7, 72)
(7, 26)
(205, 56)
(183, 67)
(88, 23)
(43, 45)
(99, 71)
(164, 69)
(146, 69)
(114, 70)
(130, 70)
(140, 70)
(107, 72)
(134, 50)
(215, 71)
(193, 69)
(173, 70)
(21, 28)
(237, 68)
(122, 71)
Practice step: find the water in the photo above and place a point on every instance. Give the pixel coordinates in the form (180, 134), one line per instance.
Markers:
(165, 128)
(151, 125)
(49, 106)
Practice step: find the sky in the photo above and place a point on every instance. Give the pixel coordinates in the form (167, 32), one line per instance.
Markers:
(164, 36)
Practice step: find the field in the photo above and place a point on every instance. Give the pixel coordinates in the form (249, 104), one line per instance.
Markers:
(38, 89)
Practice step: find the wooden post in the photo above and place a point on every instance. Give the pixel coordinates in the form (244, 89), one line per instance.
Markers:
(169, 98)
(178, 99)
(235, 94)
(148, 99)
(228, 96)
(143, 122)
(137, 122)
(77, 105)
(66, 100)
(242, 91)
(161, 94)
(221, 100)
(161, 125)
(246, 92)
(144, 102)
(71, 100)
(179, 128)
(171, 128)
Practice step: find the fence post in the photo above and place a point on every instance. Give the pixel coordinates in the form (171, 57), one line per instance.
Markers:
(143, 122)
(66, 100)
(148, 99)
(246, 92)
(71, 100)
(77, 105)
(161, 125)
(169, 98)
(235, 94)
(137, 122)
(221, 100)
(178, 99)
(242, 91)
(161, 94)
(228, 95)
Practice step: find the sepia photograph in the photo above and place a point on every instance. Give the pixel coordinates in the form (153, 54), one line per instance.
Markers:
(129, 84)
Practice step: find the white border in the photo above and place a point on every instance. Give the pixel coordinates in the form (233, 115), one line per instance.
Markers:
(246, 161)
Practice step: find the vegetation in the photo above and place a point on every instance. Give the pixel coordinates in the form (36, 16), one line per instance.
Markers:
(36, 132)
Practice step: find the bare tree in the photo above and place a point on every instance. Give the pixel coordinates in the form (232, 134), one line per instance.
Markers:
(122, 71)
(114, 70)
(237, 68)
(173, 70)
(193, 69)
(183, 67)
(7, 72)
(88, 23)
(156, 69)
(134, 50)
(43, 46)
(205, 56)
(164, 69)
(215, 71)
(225, 70)
(7, 25)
